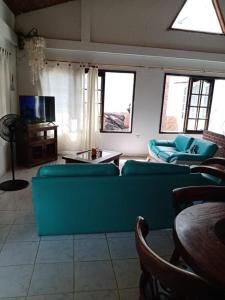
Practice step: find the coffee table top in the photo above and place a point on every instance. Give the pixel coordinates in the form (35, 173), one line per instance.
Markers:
(86, 156)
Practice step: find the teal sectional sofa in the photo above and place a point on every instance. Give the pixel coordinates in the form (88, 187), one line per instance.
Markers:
(183, 150)
(94, 198)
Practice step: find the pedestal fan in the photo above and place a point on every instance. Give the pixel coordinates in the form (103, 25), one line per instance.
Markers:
(8, 126)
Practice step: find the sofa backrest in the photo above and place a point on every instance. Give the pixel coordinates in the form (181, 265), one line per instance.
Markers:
(132, 167)
(78, 169)
(204, 147)
(183, 142)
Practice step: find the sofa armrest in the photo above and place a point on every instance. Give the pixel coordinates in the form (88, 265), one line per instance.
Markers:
(187, 157)
(165, 143)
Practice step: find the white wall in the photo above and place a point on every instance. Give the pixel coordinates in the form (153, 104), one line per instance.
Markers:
(7, 41)
(103, 25)
(61, 21)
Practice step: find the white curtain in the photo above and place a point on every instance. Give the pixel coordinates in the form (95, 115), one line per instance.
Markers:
(4, 83)
(75, 95)
(91, 116)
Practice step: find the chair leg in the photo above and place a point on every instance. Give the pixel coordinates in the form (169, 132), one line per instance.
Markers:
(175, 256)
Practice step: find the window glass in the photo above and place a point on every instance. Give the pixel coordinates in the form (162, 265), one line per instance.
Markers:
(187, 104)
(217, 115)
(194, 100)
(175, 97)
(198, 15)
(118, 101)
(204, 101)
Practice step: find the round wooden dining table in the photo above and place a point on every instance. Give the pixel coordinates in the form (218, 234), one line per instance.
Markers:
(199, 233)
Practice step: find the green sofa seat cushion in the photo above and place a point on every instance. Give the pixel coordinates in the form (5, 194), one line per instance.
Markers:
(78, 169)
(132, 167)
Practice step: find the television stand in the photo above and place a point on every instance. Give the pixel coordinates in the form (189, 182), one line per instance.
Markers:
(36, 144)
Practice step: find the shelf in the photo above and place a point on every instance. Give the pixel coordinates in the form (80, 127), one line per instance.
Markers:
(36, 146)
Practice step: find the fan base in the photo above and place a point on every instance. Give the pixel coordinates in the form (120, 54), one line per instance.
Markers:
(13, 185)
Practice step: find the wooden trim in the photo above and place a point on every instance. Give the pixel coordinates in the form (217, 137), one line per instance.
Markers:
(219, 14)
(195, 31)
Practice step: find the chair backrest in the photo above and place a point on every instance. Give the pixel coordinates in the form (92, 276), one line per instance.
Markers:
(186, 196)
(178, 283)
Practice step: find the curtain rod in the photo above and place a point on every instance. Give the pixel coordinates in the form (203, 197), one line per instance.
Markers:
(139, 66)
(5, 51)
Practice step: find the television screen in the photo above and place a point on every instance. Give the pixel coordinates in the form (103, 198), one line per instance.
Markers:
(37, 109)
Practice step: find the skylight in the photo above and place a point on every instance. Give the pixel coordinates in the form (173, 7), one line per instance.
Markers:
(200, 15)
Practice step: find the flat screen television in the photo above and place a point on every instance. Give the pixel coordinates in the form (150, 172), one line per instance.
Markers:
(37, 109)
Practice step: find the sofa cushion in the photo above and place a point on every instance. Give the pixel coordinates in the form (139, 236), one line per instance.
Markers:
(79, 169)
(204, 147)
(165, 155)
(183, 142)
(132, 167)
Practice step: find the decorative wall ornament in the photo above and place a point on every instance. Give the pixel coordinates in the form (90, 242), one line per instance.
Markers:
(34, 46)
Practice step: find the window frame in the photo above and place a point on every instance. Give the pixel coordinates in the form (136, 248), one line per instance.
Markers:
(219, 16)
(101, 72)
(213, 78)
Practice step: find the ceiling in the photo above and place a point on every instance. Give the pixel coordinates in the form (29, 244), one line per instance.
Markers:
(22, 6)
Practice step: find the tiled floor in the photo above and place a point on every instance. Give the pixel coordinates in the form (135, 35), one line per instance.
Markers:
(79, 267)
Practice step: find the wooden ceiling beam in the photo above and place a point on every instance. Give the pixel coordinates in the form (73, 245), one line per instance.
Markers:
(22, 6)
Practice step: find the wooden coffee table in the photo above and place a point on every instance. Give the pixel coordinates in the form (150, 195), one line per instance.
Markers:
(102, 156)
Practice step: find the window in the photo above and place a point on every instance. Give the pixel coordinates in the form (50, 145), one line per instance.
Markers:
(200, 16)
(192, 104)
(117, 94)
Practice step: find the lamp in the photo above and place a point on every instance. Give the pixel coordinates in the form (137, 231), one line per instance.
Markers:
(34, 45)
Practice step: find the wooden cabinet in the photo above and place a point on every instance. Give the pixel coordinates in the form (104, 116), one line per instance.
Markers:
(36, 144)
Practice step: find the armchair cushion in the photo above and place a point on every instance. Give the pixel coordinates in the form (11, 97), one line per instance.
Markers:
(204, 147)
(183, 142)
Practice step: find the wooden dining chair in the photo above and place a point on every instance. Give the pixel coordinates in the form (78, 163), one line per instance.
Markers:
(187, 196)
(162, 280)
(214, 166)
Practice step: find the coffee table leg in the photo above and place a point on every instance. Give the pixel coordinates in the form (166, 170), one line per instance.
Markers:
(117, 161)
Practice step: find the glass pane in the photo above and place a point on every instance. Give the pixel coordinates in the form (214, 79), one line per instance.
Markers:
(217, 115)
(99, 96)
(198, 15)
(201, 125)
(174, 103)
(196, 87)
(202, 113)
(191, 125)
(204, 100)
(205, 88)
(194, 100)
(99, 109)
(192, 112)
(118, 100)
(99, 82)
